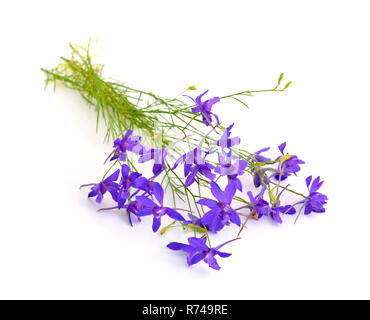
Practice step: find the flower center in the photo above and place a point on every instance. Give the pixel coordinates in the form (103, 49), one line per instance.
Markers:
(158, 211)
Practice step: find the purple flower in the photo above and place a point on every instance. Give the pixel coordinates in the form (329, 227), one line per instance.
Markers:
(195, 163)
(149, 187)
(205, 108)
(221, 212)
(102, 187)
(259, 173)
(203, 169)
(225, 141)
(259, 207)
(287, 166)
(315, 201)
(128, 180)
(125, 144)
(259, 158)
(133, 208)
(158, 211)
(159, 157)
(198, 250)
(276, 210)
(232, 167)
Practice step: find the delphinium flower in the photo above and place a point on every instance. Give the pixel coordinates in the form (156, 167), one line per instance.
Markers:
(133, 208)
(221, 212)
(259, 207)
(232, 167)
(196, 163)
(259, 174)
(127, 143)
(158, 155)
(198, 250)
(108, 184)
(204, 169)
(128, 180)
(260, 158)
(205, 108)
(276, 210)
(157, 210)
(225, 141)
(288, 164)
(315, 201)
(150, 187)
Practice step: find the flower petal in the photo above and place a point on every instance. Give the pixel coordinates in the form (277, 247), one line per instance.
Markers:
(210, 217)
(174, 214)
(316, 185)
(208, 202)
(235, 218)
(308, 181)
(112, 177)
(144, 212)
(156, 224)
(195, 258)
(287, 210)
(230, 192)
(176, 246)
(197, 243)
(125, 171)
(282, 147)
(158, 193)
(223, 254)
(145, 202)
(217, 192)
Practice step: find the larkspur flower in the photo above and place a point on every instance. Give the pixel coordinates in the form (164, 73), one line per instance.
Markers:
(198, 250)
(133, 208)
(108, 184)
(195, 163)
(260, 158)
(205, 108)
(158, 211)
(128, 180)
(225, 141)
(232, 167)
(315, 201)
(127, 143)
(158, 155)
(203, 169)
(259, 207)
(221, 212)
(150, 187)
(289, 164)
(276, 210)
(258, 172)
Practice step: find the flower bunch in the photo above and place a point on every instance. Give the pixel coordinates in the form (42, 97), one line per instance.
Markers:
(139, 196)
(185, 160)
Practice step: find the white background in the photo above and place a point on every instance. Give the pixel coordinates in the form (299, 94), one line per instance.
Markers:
(53, 243)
